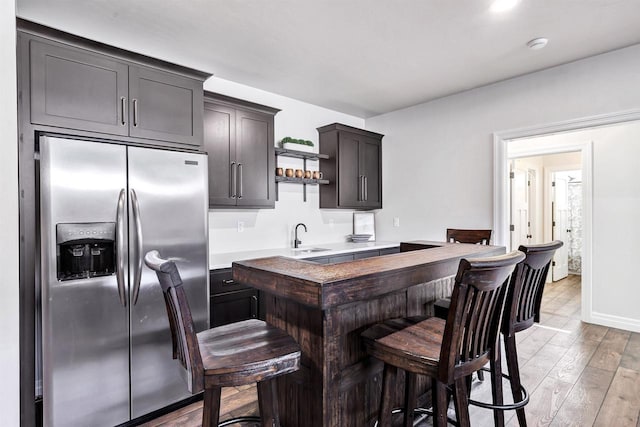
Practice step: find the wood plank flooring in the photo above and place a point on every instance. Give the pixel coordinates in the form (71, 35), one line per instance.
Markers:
(577, 374)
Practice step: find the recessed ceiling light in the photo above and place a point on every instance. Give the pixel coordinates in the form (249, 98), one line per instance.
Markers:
(537, 43)
(499, 6)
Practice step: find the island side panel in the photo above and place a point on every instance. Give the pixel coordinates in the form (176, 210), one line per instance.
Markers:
(300, 393)
(353, 379)
(420, 298)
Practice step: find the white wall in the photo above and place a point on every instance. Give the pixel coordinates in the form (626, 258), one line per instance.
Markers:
(272, 228)
(438, 156)
(9, 349)
(439, 172)
(616, 209)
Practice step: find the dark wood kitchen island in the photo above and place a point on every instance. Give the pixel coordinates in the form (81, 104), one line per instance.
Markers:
(326, 307)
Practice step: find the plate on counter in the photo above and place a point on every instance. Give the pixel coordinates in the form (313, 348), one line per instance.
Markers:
(359, 238)
(364, 223)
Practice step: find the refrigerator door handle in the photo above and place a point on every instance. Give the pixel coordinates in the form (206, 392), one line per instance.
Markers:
(137, 232)
(120, 242)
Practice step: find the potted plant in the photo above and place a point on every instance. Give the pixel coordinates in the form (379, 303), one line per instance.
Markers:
(296, 144)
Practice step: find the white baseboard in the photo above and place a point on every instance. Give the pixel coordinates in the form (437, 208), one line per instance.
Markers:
(618, 322)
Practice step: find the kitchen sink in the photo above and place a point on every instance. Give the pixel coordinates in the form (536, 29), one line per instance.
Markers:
(308, 250)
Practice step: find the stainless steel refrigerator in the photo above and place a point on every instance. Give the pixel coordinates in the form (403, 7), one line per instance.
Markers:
(106, 343)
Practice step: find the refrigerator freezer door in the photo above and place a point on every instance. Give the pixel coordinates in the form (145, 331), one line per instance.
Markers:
(85, 325)
(168, 212)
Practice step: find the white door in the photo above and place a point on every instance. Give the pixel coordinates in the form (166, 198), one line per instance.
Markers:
(520, 234)
(560, 230)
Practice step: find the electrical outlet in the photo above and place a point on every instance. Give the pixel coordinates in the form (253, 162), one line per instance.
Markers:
(240, 226)
(396, 221)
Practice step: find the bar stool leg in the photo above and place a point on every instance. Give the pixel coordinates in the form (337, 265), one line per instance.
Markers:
(496, 386)
(211, 407)
(268, 403)
(409, 398)
(388, 385)
(439, 391)
(461, 402)
(514, 374)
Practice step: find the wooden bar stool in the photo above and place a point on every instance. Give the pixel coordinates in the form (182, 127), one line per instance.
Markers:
(231, 355)
(449, 351)
(522, 309)
(456, 235)
(479, 237)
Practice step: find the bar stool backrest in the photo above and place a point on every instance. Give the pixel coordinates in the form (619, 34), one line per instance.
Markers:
(527, 286)
(474, 318)
(183, 334)
(480, 237)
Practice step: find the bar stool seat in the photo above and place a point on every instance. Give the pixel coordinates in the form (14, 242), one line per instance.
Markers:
(246, 352)
(231, 355)
(420, 359)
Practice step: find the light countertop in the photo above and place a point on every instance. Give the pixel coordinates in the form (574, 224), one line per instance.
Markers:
(224, 260)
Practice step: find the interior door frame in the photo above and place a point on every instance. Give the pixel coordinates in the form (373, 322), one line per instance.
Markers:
(501, 191)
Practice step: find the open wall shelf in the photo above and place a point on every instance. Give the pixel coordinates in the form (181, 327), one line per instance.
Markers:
(304, 156)
(300, 154)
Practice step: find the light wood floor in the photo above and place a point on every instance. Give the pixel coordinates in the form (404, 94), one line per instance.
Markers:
(577, 374)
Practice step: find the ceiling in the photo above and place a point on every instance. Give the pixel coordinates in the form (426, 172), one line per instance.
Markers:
(361, 57)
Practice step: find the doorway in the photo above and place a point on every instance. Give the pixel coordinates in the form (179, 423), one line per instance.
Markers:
(610, 205)
(548, 208)
(532, 144)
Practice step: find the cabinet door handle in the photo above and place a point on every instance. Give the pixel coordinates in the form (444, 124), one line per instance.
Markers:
(254, 306)
(135, 113)
(228, 282)
(232, 180)
(239, 180)
(366, 189)
(123, 110)
(359, 188)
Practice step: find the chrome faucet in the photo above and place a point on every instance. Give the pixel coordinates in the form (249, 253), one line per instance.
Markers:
(296, 241)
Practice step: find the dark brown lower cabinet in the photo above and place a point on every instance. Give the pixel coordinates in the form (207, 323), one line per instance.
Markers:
(233, 307)
(230, 301)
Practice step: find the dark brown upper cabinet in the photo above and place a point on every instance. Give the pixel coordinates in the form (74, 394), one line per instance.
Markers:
(88, 90)
(239, 138)
(354, 167)
(165, 106)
